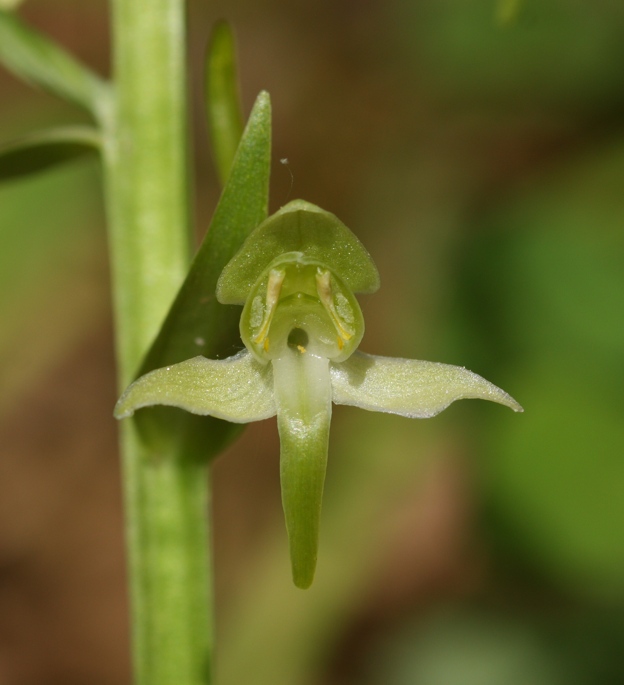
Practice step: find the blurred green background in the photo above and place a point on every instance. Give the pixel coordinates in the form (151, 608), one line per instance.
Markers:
(477, 149)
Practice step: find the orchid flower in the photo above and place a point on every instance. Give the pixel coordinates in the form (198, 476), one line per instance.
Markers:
(296, 275)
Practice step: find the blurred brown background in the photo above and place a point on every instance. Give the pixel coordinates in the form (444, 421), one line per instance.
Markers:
(477, 149)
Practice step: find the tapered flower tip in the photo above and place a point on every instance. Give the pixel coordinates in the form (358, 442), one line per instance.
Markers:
(409, 387)
(303, 399)
(237, 389)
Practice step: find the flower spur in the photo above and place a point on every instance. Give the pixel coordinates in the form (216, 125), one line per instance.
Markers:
(296, 275)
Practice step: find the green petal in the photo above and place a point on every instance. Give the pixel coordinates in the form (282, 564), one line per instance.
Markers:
(303, 398)
(237, 389)
(298, 227)
(409, 387)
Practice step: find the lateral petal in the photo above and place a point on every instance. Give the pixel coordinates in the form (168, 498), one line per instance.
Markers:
(238, 389)
(408, 387)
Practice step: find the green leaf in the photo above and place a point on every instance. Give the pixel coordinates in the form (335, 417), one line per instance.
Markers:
(303, 398)
(197, 323)
(299, 227)
(237, 389)
(45, 149)
(38, 60)
(223, 109)
(409, 387)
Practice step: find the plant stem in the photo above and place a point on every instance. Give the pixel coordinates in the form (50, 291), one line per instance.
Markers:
(166, 493)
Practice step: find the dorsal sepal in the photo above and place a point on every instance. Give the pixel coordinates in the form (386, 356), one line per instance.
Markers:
(301, 227)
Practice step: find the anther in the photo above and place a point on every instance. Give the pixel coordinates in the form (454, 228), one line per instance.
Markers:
(324, 290)
(274, 287)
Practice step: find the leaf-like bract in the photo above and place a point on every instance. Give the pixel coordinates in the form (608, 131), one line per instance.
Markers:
(197, 323)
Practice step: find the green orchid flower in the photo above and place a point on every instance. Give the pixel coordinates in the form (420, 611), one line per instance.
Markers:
(296, 275)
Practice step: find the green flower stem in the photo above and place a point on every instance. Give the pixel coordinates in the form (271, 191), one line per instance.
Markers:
(166, 493)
